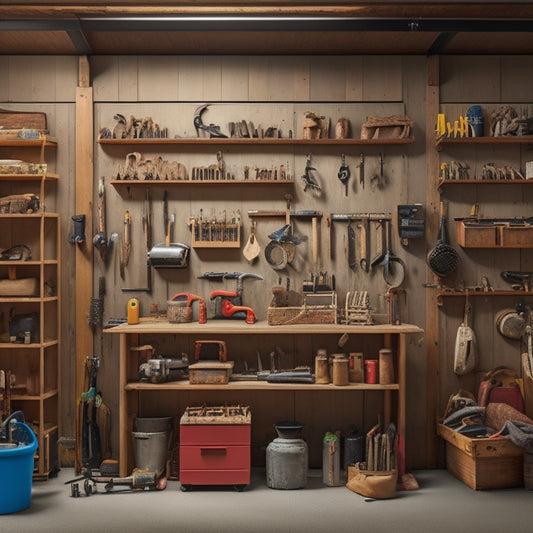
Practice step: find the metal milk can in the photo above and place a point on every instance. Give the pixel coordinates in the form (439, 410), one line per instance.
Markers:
(287, 458)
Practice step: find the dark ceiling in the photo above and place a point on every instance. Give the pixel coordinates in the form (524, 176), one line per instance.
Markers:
(246, 27)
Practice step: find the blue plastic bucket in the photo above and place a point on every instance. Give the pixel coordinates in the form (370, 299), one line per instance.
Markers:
(16, 470)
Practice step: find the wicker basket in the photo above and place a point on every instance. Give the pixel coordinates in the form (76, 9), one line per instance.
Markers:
(178, 312)
(277, 316)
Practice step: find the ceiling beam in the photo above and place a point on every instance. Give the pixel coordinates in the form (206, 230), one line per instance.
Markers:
(441, 42)
(266, 23)
(79, 40)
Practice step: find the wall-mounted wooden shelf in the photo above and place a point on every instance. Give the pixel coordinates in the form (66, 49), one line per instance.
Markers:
(29, 177)
(441, 182)
(513, 139)
(29, 143)
(171, 183)
(247, 141)
(474, 293)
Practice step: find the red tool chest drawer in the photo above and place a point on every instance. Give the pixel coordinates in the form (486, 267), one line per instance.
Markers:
(215, 457)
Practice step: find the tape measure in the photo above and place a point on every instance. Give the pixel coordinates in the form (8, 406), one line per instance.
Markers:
(133, 311)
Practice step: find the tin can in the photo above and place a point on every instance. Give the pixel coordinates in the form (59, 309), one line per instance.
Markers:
(321, 366)
(340, 370)
(356, 372)
(371, 371)
(386, 367)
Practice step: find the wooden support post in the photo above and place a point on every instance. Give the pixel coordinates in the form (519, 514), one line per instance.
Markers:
(84, 204)
(432, 216)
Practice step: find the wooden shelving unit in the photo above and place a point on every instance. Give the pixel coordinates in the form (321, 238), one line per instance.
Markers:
(36, 365)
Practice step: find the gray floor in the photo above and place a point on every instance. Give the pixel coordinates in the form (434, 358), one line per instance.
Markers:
(442, 504)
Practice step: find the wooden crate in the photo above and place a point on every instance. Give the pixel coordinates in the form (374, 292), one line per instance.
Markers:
(483, 463)
(476, 236)
(517, 236)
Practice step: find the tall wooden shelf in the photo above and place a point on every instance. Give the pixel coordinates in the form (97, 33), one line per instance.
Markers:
(130, 389)
(36, 365)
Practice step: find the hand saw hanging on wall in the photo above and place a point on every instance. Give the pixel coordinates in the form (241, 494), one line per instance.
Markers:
(126, 244)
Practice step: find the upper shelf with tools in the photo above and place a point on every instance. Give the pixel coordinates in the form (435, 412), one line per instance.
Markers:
(481, 132)
(242, 141)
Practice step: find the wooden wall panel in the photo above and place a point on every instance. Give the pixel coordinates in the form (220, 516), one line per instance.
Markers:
(327, 79)
(191, 78)
(516, 78)
(235, 78)
(105, 73)
(470, 79)
(158, 79)
(382, 78)
(354, 78)
(128, 70)
(168, 89)
(20, 79)
(283, 79)
(212, 90)
(4, 78)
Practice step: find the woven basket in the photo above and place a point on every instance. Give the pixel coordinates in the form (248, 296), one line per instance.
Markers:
(178, 312)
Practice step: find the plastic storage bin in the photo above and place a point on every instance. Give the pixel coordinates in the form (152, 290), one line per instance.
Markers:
(16, 469)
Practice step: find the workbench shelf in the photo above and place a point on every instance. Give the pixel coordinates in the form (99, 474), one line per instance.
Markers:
(258, 385)
(35, 365)
(133, 394)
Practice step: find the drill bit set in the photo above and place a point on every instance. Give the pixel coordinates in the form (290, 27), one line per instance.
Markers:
(216, 231)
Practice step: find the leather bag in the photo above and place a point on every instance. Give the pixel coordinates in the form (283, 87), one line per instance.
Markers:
(376, 484)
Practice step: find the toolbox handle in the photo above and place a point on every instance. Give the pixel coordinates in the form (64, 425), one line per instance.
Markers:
(215, 449)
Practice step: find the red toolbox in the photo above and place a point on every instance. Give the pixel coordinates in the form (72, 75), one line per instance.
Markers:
(215, 446)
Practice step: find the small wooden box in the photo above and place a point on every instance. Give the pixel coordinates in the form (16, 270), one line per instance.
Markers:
(483, 463)
(476, 236)
(210, 372)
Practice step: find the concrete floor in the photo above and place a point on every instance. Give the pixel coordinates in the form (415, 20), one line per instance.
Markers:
(441, 504)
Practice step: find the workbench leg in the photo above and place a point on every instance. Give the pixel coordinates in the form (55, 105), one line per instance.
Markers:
(123, 408)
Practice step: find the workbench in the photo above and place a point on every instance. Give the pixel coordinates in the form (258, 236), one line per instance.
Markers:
(148, 329)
